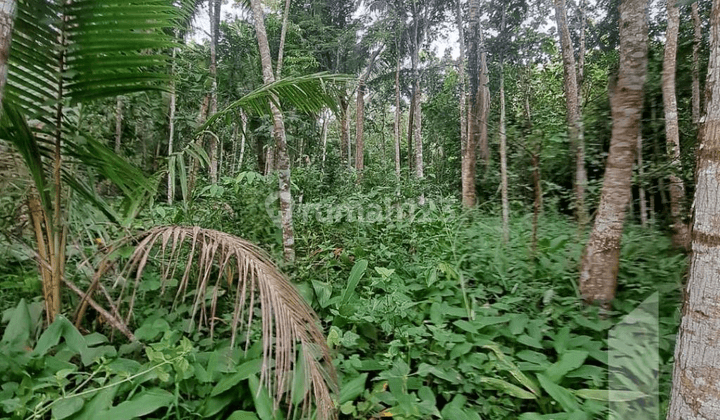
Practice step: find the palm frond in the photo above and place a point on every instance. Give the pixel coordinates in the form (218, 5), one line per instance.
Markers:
(308, 93)
(250, 278)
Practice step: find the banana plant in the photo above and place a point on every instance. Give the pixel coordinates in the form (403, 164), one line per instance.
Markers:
(65, 53)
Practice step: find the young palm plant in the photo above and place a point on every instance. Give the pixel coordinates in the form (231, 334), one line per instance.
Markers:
(64, 53)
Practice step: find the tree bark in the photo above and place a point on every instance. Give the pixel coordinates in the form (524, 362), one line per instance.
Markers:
(503, 162)
(171, 127)
(325, 116)
(396, 127)
(697, 43)
(7, 19)
(641, 188)
(696, 374)
(469, 160)
(598, 273)
(283, 33)
(215, 8)
(461, 81)
(672, 132)
(360, 116)
(344, 129)
(572, 111)
(283, 161)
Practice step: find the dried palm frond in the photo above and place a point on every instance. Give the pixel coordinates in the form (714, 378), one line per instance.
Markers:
(225, 261)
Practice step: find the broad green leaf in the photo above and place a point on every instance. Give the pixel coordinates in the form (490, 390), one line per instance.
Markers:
(243, 372)
(243, 415)
(263, 403)
(353, 389)
(66, 407)
(562, 395)
(142, 403)
(508, 388)
(569, 361)
(356, 274)
(604, 395)
(18, 329)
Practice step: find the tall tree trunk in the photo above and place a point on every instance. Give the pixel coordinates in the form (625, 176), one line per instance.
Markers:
(360, 116)
(672, 132)
(573, 111)
(195, 166)
(118, 123)
(697, 43)
(694, 392)
(324, 134)
(344, 128)
(503, 161)
(469, 157)
(396, 126)
(171, 127)
(215, 7)
(243, 139)
(641, 188)
(598, 273)
(461, 81)
(7, 19)
(283, 33)
(283, 161)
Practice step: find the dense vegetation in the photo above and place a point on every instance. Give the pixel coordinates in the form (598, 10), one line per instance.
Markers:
(426, 310)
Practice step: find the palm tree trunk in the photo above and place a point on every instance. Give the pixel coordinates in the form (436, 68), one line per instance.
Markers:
(573, 111)
(7, 19)
(215, 8)
(672, 132)
(283, 161)
(598, 273)
(243, 140)
(697, 352)
(360, 115)
(697, 43)
(195, 166)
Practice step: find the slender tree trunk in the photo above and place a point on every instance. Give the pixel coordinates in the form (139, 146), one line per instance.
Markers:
(469, 161)
(118, 123)
(410, 132)
(171, 128)
(503, 162)
(283, 161)
(324, 134)
(672, 132)
(697, 42)
(641, 188)
(598, 273)
(7, 19)
(202, 117)
(461, 81)
(484, 103)
(344, 129)
(215, 8)
(396, 127)
(360, 116)
(694, 392)
(573, 111)
(283, 33)
(243, 139)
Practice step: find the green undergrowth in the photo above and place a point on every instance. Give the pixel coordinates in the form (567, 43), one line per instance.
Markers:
(428, 314)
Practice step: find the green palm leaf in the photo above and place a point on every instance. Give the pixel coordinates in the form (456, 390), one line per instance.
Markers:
(308, 93)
